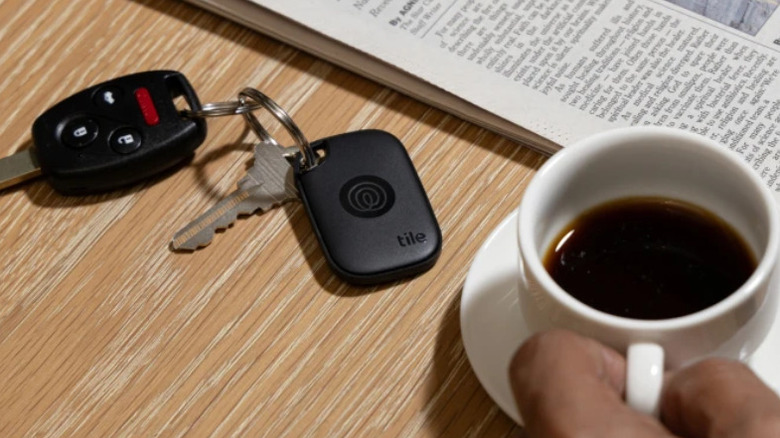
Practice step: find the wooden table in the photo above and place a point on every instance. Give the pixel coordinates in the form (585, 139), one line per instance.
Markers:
(106, 332)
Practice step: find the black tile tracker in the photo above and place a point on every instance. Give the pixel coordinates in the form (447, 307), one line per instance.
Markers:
(369, 209)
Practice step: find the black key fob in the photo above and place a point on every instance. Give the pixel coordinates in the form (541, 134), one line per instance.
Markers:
(117, 133)
(369, 209)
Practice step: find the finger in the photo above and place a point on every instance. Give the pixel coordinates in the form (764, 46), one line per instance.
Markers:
(566, 385)
(720, 398)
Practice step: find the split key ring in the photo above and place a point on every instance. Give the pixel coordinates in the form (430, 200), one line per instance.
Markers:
(309, 158)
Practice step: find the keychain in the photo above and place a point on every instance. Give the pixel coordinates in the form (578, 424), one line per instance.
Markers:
(362, 194)
(364, 199)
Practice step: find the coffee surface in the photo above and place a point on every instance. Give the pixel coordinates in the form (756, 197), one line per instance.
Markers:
(649, 258)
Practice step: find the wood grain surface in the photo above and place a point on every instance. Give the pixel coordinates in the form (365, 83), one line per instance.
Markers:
(106, 332)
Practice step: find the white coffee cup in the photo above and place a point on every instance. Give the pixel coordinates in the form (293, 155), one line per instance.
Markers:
(651, 161)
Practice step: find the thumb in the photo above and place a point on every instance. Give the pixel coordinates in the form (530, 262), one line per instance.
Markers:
(566, 385)
(720, 398)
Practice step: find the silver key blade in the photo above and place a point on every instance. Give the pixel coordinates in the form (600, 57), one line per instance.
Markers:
(18, 168)
(268, 183)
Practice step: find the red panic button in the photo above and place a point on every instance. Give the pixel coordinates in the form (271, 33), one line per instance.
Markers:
(146, 104)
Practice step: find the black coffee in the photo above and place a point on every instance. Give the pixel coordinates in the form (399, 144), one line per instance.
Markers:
(649, 258)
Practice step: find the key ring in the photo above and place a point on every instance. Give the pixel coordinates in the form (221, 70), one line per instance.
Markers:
(256, 126)
(309, 158)
(219, 109)
(250, 100)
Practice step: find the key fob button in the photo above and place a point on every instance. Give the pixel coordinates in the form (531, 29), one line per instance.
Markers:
(126, 140)
(80, 132)
(146, 105)
(108, 97)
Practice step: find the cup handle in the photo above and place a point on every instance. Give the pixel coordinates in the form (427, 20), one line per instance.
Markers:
(644, 377)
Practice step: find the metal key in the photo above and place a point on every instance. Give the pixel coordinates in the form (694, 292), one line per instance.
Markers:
(267, 184)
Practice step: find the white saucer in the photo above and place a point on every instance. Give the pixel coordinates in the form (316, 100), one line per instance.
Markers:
(492, 326)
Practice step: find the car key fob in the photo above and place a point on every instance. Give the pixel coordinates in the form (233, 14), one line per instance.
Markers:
(368, 208)
(117, 133)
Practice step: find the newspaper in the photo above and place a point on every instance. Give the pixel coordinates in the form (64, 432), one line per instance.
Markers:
(565, 69)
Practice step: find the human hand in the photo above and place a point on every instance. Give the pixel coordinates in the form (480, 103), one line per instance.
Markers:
(566, 385)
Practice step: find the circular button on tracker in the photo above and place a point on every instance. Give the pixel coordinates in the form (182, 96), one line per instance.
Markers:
(125, 140)
(367, 196)
(80, 132)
